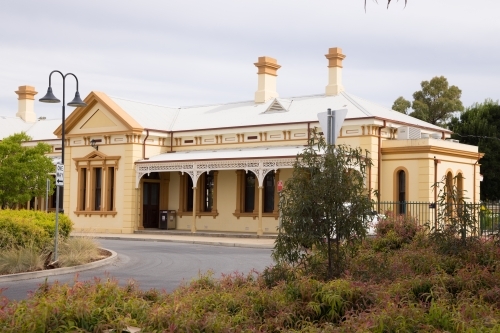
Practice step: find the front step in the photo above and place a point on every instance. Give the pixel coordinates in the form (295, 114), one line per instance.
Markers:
(204, 233)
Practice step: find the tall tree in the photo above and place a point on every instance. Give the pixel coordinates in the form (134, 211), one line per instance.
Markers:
(434, 103)
(23, 170)
(480, 125)
(324, 205)
(401, 105)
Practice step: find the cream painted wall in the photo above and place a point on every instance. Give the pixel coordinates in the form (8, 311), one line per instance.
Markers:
(96, 223)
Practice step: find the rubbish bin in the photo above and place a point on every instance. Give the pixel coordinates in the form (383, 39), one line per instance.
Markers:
(171, 224)
(163, 224)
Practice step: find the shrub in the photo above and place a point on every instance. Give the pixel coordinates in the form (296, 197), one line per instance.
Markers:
(22, 227)
(405, 227)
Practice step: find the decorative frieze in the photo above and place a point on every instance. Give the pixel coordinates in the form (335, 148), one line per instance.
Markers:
(196, 168)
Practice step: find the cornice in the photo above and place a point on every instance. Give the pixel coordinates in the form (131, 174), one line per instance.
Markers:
(431, 150)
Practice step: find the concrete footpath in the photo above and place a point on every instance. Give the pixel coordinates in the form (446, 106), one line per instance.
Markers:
(203, 238)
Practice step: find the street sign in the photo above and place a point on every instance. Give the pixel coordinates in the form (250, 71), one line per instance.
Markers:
(280, 185)
(338, 120)
(59, 174)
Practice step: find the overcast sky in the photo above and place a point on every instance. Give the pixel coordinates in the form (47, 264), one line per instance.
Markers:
(179, 53)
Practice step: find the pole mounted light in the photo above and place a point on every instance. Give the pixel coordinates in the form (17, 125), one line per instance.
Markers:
(76, 102)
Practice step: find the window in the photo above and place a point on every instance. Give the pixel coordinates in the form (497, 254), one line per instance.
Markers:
(82, 186)
(111, 189)
(206, 195)
(189, 191)
(269, 192)
(449, 192)
(247, 194)
(96, 184)
(402, 191)
(208, 192)
(97, 177)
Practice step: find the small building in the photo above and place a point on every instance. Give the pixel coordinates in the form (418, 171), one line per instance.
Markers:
(216, 167)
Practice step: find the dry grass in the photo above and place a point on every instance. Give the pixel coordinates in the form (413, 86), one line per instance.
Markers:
(77, 251)
(19, 260)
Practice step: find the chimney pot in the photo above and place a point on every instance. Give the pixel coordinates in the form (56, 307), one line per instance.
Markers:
(26, 103)
(267, 73)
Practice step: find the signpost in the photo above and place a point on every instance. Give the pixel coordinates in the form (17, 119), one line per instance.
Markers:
(59, 184)
(331, 123)
(59, 174)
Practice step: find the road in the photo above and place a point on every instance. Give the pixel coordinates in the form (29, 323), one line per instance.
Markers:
(160, 265)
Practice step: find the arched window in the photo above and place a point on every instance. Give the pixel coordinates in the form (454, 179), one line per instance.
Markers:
(460, 193)
(460, 187)
(449, 192)
(401, 191)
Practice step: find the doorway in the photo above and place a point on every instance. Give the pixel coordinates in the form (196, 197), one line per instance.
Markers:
(150, 205)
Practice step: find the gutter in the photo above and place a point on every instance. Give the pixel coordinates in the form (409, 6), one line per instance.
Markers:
(436, 162)
(144, 145)
(379, 162)
(474, 177)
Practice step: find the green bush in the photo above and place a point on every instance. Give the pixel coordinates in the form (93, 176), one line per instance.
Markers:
(20, 228)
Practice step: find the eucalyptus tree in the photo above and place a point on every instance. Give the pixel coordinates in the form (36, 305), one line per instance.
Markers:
(325, 206)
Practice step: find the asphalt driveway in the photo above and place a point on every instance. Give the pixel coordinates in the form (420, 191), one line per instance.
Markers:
(160, 265)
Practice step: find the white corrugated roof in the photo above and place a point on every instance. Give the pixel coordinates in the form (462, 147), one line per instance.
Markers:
(38, 130)
(223, 154)
(249, 113)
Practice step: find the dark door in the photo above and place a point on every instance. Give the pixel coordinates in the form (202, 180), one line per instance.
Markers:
(150, 205)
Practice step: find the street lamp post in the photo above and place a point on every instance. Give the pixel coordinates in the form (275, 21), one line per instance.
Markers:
(76, 102)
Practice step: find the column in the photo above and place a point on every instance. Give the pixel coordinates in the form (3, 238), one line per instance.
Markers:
(193, 226)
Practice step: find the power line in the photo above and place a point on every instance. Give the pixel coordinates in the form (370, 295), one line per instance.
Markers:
(477, 136)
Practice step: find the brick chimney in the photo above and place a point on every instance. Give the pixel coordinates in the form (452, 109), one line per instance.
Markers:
(26, 104)
(267, 68)
(335, 58)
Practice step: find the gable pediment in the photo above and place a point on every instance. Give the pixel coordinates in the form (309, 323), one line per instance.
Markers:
(96, 158)
(101, 115)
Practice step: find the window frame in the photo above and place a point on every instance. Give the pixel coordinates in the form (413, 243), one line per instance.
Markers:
(86, 168)
(185, 180)
(241, 192)
(401, 208)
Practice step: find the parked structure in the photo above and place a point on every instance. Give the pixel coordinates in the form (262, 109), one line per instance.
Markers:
(216, 167)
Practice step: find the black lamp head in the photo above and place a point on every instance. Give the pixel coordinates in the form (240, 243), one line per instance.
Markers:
(49, 97)
(77, 101)
(94, 145)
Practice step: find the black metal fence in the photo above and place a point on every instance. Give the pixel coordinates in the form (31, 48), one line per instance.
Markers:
(486, 215)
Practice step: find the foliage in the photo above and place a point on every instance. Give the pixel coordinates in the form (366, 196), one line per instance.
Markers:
(414, 288)
(458, 220)
(324, 205)
(434, 103)
(20, 228)
(479, 125)
(23, 170)
(401, 105)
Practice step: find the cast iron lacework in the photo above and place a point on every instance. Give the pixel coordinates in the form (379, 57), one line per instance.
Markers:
(195, 169)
